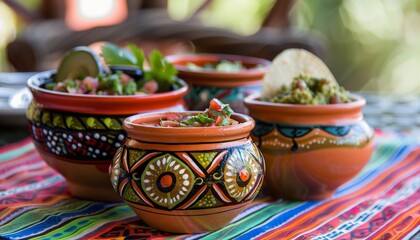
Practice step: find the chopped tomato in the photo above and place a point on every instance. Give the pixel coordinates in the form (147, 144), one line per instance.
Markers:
(219, 120)
(125, 78)
(90, 83)
(216, 104)
(151, 86)
(218, 114)
(173, 117)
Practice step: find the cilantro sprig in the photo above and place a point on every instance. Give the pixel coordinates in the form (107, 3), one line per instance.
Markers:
(163, 72)
(114, 55)
(218, 114)
(200, 118)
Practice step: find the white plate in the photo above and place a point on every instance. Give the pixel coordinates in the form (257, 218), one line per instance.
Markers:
(13, 104)
(14, 98)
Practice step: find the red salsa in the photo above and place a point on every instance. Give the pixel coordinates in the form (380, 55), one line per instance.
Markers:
(218, 114)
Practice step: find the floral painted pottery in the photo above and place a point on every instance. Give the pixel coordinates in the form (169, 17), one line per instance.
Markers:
(310, 150)
(78, 135)
(187, 179)
(229, 87)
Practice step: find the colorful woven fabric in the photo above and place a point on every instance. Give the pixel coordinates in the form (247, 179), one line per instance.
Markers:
(382, 202)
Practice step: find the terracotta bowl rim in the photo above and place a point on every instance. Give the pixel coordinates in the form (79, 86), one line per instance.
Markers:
(243, 119)
(215, 57)
(135, 128)
(31, 84)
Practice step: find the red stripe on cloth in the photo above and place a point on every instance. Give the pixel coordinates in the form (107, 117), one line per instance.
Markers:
(15, 145)
(45, 196)
(23, 170)
(375, 221)
(111, 230)
(318, 215)
(21, 179)
(23, 161)
(397, 229)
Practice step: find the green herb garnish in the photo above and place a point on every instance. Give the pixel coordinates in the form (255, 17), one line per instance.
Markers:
(163, 72)
(114, 55)
(200, 118)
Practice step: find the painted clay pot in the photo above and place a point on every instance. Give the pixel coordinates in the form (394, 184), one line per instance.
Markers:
(78, 135)
(229, 87)
(310, 150)
(187, 180)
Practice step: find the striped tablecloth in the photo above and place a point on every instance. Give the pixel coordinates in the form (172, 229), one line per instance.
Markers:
(382, 202)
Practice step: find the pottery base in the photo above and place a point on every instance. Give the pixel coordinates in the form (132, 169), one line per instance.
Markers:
(93, 193)
(187, 221)
(313, 175)
(85, 180)
(310, 197)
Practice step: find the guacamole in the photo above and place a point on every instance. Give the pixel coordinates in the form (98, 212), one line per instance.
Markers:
(221, 66)
(224, 66)
(311, 91)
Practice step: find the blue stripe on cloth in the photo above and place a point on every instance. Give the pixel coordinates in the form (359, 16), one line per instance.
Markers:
(278, 220)
(22, 210)
(53, 222)
(32, 187)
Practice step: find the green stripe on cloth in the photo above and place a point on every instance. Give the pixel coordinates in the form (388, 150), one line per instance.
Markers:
(16, 152)
(34, 216)
(78, 227)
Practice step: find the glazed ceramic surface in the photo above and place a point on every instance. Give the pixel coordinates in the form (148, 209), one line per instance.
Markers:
(187, 180)
(230, 88)
(310, 150)
(78, 135)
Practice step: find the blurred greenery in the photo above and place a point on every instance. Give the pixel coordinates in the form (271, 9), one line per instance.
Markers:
(372, 45)
(8, 26)
(241, 16)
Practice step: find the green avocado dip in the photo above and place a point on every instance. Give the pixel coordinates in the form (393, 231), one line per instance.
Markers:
(307, 90)
(222, 66)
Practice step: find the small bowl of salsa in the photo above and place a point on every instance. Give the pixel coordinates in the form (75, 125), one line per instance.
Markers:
(76, 115)
(188, 172)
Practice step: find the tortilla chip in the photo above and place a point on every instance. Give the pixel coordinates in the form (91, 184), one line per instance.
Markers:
(290, 64)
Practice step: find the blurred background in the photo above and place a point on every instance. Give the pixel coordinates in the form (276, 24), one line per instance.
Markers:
(370, 46)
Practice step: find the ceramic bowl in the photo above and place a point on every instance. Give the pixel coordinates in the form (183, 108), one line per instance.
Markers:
(78, 135)
(310, 150)
(187, 180)
(229, 87)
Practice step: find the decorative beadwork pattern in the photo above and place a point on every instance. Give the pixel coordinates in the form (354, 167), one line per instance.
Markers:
(304, 138)
(166, 180)
(240, 174)
(81, 137)
(188, 180)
